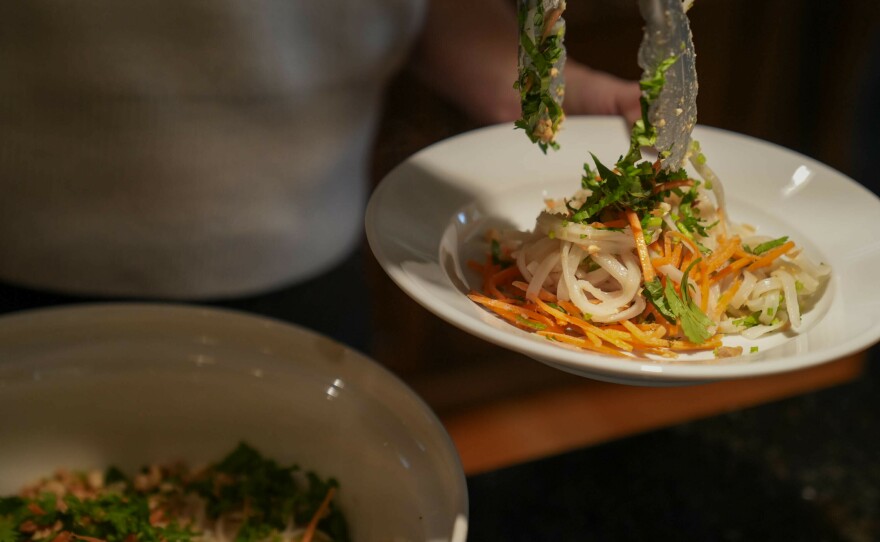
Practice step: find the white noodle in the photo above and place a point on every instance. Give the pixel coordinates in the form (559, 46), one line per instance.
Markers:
(541, 274)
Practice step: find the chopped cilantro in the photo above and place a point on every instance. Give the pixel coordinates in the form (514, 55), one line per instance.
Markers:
(694, 323)
(539, 82)
(8, 530)
(497, 255)
(749, 321)
(764, 247)
(258, 491)
(530, 323)
(633, 183)
(557, 307)
(753, 349)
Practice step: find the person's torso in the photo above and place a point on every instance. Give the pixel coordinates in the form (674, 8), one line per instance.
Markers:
(188, 148)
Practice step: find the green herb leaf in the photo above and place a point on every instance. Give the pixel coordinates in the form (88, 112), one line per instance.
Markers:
(694, 323)
(655, 295)
(8, 530)
(530, 323)
(557, 307)
(764, 247)
(748, 321)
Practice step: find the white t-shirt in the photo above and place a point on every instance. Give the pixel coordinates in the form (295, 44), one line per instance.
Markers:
(187, 148)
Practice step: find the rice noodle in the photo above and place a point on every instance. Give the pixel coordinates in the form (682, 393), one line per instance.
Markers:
(600, 271)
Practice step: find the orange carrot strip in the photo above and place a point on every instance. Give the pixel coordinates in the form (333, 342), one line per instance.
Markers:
(319, 513)
(582, 343)
(711, 343)
(501, 277)
(585, 326)
(768, 258)
(732, 268)
(660, 262)
(722, 254)
(641, 247)
(695, 250)
(511, 308)
(643, 337)
(542, 293)
(725, 298)
(619, 223)
(670, 185)
(676, 256)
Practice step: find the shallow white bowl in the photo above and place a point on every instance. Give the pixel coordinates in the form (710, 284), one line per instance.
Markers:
(86, 387)
(427, 218)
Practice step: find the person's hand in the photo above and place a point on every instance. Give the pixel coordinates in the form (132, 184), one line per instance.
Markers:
(469, 56)
(592, 92)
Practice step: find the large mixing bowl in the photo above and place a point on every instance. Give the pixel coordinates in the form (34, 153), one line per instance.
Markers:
(127, 385)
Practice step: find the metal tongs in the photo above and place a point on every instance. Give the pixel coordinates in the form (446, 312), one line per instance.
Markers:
(674, 112)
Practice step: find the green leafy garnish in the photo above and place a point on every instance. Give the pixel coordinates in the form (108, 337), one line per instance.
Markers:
(764, 247)
(751, 320)
(539, 82)
(530, 323)
(634, 183)
(694, 323)
(263, 495)
(8, 530)
(498, 256)
(557, 307)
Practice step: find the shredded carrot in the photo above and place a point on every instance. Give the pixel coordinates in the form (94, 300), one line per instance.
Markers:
(582, 343)
(676, 256)
(695, 250)
(771, 255)
(319, 513)
(511, 311)
(660, 262)
(585, 326)
(723, 253)
(670, 185)
(542, 293)
(501, 277)
(710, 344)
(641, 246)
(725, 298)
(730, 269)
(619, 223)
(642, 337)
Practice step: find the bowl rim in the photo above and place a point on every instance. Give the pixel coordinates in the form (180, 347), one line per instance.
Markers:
(19, 372)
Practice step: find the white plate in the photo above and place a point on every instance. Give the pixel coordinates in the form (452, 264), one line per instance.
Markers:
(426, 217)
(88, 386)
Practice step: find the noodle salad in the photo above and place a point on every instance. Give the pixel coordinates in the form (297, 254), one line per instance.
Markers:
(643, 260)
(242, 498)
